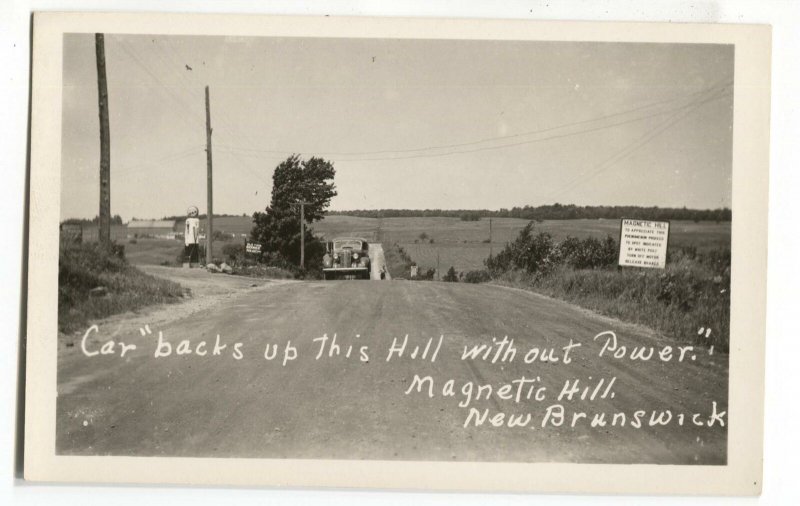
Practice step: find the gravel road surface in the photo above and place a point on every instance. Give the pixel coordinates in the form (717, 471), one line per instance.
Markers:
(239, 404)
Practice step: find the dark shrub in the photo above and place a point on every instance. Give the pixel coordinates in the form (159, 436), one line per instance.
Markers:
(590, 253)
(481, 276)
(451, 276)
(528, 252)
(234, 253)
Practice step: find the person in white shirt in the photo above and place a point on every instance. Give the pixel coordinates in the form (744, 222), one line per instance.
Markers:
(191, 236)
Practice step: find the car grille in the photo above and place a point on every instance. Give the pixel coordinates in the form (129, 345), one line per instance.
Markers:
(347, 258)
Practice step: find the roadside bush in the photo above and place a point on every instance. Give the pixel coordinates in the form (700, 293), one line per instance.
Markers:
(234, 253)
(540, 254)
(718, 260)
(528, 252)
(590, 253)
(569, 248)
(426, 275)
(481, 276)
(451, 276)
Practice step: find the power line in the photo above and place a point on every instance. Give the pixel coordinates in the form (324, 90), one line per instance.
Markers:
(491, 139)
(229, 124)
(244, 166)
(220, 114)
(162, 58)
(676, 117)
(501, 146)
(629, 149)
(167, 158)
(117, 172)
(128, 49)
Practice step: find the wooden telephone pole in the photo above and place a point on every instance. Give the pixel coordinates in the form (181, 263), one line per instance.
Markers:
(302, 205)
(490, 237)
(104, 215)
(210, 188)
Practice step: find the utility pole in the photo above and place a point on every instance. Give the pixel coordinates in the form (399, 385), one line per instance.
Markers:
(490, 237)
(302, 205)
(210, 187)
(438, 271)
(104, 215)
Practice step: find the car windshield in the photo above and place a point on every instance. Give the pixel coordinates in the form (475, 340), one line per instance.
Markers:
(352, 244)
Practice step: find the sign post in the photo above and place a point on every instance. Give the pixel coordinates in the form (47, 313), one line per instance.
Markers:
(253, 248)
(643, 243)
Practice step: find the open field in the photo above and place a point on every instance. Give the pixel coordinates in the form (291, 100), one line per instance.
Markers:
(457, 243)
(461, 243)
(152, 251)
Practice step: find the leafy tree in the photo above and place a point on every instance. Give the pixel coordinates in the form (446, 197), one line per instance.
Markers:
(278, 227)
(451, 275)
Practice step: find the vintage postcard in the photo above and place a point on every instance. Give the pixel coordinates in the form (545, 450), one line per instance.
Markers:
(397, 253)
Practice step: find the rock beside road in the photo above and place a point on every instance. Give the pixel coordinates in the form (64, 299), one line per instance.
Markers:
(223, 267)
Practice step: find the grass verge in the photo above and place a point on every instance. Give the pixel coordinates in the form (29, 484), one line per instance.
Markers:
(678, 302)
(96, 281)
(398, 262)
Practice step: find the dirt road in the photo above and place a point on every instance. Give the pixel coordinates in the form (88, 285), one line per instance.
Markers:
(365, 407)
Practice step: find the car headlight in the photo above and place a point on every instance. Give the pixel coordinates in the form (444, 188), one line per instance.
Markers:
(355, 256)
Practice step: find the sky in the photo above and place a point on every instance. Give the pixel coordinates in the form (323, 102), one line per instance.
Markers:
(413, 124)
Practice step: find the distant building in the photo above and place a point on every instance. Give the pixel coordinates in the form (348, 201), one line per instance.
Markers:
(77, 232)
(152, 228)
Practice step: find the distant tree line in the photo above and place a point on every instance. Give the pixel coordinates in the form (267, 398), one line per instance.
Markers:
(552, 212)
(201, 216)
(115, 220)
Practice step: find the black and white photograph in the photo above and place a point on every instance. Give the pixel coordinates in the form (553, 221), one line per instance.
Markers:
(395, 249)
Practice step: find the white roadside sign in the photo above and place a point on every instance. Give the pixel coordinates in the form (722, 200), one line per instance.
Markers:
(643, 243)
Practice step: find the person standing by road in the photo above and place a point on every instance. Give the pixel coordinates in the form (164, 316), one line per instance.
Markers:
(191, 236)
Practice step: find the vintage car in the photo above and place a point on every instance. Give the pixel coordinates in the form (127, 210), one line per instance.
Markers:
(346, 258)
